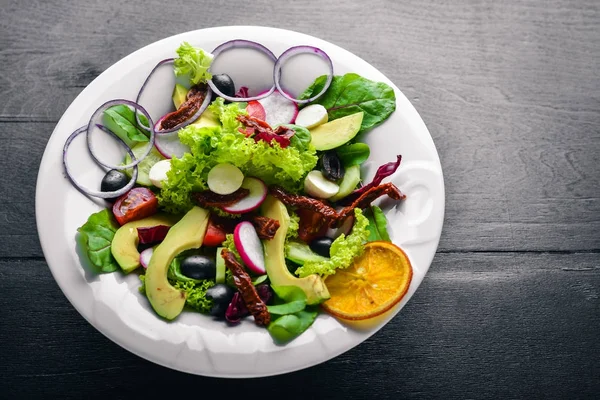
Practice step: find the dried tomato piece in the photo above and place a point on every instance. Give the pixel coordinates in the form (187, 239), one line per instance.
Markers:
(194, 99)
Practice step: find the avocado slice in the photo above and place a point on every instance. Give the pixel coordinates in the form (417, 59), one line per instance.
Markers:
(207, 119)
(186, 234)
(337, 132)
(348, 183)
(125, 242)
(179, 95)
(279, 275)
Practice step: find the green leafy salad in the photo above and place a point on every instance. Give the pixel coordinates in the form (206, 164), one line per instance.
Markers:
(222, 213)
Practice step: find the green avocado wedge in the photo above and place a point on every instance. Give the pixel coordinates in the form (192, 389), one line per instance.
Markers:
(124, 244)
(186, 234)
(279, 275)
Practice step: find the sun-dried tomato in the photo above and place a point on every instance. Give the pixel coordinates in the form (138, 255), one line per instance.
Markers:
(194, 99)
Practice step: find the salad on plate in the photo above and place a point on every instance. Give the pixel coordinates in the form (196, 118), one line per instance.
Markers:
(239, 195)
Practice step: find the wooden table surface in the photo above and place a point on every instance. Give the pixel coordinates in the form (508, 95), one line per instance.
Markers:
(510, 91)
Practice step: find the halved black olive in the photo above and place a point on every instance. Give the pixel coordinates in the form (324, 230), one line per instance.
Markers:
(225, 84)
(332, 166)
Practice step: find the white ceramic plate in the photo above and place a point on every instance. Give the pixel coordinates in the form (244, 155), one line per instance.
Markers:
(195, 343)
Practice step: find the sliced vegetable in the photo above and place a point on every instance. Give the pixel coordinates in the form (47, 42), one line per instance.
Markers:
(337, 132)
(348, 183)
(279, 109)
(250, 247)
(316, 185)
(256, 110)
(145, 256)
(214, 236)
(96, 117)
(169, 146)
(258, 193)
(146, 125)
(294, 51)
(240, 43)
(152, 234)
(136, 204)
(312, 116)
(144, 167)
(224, 178)
(300, 252)
(83, 189)
(158, 172)
(220, 267)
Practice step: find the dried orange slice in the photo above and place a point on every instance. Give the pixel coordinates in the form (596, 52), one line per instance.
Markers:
(371, 285)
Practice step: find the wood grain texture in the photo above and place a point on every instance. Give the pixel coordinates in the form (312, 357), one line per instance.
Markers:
(510, 92)
(482, 325)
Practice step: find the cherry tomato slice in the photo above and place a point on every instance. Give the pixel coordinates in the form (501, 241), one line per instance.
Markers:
(136, 204)
(214, 236)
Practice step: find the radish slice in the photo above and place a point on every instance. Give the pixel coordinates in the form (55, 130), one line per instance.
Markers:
(249, 246)
(158, 173)
(256, 110)
(169, 146)
(224, 178)
(345, 228)
(312, 116)
(145, 256)
(278, 109)
(258, 193)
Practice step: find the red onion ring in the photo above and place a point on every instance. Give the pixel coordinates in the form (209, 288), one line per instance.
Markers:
(95, 116)
(289, 53)
(139, 95)
(188, 121)
(94, 193)
(241, 43)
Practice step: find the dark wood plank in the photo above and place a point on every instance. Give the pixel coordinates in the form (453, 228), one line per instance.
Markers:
(481, 325)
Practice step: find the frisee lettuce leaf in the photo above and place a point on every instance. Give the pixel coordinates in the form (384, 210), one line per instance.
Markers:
(343, 250)
(96, 236)
(193, 61)
(210, 146)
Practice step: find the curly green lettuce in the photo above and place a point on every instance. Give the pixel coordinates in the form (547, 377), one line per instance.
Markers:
(210, 146)
(193, 61)
(343, 251)
(195, 291)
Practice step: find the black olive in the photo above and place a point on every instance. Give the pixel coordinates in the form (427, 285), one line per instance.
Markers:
(332, 166)
(198, 267)
(225, 84)
(221, 295)
(113, 180)
(321, 246)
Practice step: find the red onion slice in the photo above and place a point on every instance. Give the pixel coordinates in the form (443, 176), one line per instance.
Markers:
(92, 123)
(291, 52)
(241, 43)
(139, 95)
(94, 193)
(203, 106)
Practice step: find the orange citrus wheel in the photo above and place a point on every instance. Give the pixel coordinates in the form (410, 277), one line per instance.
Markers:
(371, 285)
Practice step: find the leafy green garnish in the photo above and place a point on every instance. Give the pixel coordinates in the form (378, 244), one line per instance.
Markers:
(351, 93)
(353, 154)
(120, 119)
(196, 294)
(290, 326)
(343, 250)
(260, 279)
(377, 224)
(96, 236)
(294, 300)
(210, 146)
(193, 61)
(301, 138)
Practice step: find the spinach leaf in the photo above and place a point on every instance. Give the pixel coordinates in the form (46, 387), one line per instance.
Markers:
(353, 154)
(301, 138)
(121, 121)
(292, 299)
(377, 224)
(352, 93)
(96, 236)
(288, 327)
